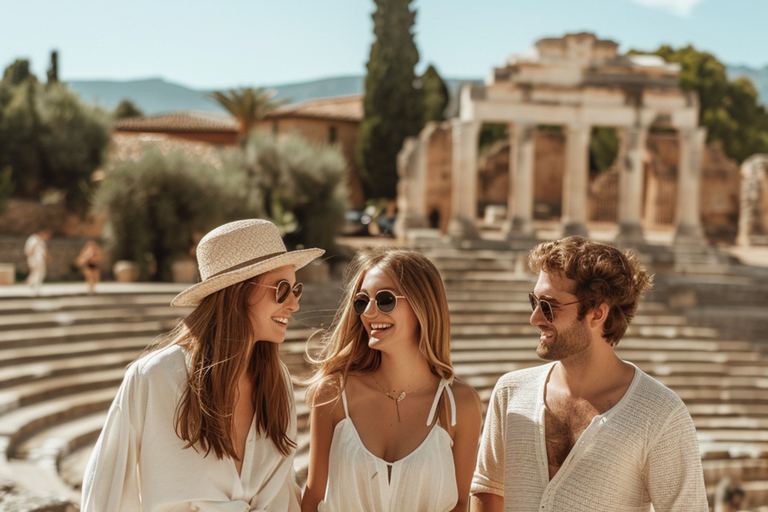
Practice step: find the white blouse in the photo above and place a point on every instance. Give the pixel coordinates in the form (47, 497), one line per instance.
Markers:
(422, 481)
(140, 464)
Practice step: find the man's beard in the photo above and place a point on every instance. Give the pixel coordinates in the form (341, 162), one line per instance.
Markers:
(565, 344)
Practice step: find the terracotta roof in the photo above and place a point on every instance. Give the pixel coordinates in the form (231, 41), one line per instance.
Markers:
(182, 121)
(131, 146)
(340, 108)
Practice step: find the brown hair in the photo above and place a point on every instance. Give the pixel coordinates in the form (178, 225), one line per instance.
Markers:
(603, 274)
(217, 334)
(345, 344)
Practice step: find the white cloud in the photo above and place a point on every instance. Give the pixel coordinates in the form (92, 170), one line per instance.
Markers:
(680, 8)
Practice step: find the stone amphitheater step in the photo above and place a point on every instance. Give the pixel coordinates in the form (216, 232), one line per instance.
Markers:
(48, 447)
(18, 305)
(86, 317)
(721, 380)
(40, 390)
(15, 356)
(29, 372)
(19, 424)
(76, 333)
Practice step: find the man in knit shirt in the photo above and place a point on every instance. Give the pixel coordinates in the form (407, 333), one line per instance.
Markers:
(586, 432)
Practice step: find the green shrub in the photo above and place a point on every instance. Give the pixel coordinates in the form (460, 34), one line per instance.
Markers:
(156, 204)
(302, 186)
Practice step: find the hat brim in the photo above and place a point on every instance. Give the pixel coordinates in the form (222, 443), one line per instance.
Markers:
(194, 294)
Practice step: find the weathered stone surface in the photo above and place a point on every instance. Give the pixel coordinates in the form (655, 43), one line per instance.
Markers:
(15, 499)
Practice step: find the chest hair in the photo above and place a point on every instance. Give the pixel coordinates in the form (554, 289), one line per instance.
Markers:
(564, 422)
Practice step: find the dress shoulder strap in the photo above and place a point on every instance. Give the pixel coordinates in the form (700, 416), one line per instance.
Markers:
(444, 386)
(344, 400)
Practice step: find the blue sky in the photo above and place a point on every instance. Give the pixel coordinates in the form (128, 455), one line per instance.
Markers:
(228, 43)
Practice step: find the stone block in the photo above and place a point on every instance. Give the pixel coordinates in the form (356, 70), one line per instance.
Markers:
(125, 271)
(184, 271)
(7, 273)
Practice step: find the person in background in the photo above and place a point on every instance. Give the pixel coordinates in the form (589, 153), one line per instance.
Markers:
(207, 421)
(587, 432)
(89, 261)
(38, 258)
(391, 428)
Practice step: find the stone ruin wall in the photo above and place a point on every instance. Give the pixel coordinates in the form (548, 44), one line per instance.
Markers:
(753, 209)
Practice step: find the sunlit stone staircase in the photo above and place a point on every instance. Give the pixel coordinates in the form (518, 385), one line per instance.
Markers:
(62, 359)
(723, 380)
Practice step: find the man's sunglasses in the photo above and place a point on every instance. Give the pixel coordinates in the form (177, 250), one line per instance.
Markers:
(283, 289)
(546, 307)
(385, 301)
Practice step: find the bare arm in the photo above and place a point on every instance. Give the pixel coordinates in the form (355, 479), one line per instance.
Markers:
(320, 436)
(486, 502)
(469, 419)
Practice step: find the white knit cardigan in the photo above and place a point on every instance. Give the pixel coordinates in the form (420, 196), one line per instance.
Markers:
(643, 451)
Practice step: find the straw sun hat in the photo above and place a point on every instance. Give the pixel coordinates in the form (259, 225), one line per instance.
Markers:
(238, 251)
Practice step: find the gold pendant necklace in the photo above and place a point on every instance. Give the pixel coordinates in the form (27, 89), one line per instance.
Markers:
(396, 399)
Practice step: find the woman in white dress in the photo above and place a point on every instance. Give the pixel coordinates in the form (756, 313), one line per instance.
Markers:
(391, 428)
(208, 422)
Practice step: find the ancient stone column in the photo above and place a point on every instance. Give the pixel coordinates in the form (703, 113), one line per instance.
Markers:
(752, 229)
(520, 201)
(411, 184)
(576, 180)
(630, 166)
(688, 218)
(464, 177)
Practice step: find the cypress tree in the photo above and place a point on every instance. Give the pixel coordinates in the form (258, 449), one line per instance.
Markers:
(393, 108)
(53, 71)
(435, 95)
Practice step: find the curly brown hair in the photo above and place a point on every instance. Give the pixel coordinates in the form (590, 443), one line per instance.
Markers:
(602, 273)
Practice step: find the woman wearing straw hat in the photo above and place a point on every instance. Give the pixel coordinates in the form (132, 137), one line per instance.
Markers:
(391, 429)
(208, 421)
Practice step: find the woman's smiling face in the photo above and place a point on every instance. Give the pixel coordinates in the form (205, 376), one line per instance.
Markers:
(386, 331)
(270, 319)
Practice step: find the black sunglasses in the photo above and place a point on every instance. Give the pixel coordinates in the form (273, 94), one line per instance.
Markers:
(385, 301)
(283, 289)
(546, 307)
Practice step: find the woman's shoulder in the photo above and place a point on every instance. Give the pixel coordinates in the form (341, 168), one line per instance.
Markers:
(467, 399)
(327, 390)
(168, 362)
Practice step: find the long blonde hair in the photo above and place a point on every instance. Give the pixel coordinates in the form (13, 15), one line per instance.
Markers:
(344, 347)
(217, 334)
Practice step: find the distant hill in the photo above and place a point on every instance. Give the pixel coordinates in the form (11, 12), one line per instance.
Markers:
(155, 95)
(152, 95)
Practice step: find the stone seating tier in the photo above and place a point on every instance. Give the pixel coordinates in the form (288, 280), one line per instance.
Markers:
(77, 363)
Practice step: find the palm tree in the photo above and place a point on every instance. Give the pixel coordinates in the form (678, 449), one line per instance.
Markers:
(248, 105)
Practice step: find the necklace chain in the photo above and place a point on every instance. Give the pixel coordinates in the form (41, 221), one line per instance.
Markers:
(399, 398)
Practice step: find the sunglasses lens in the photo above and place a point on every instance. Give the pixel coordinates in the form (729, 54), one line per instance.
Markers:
(386, 301)
(282, 292)
(534, 301)
(547, 310)
(298, 289)
(360, 304)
